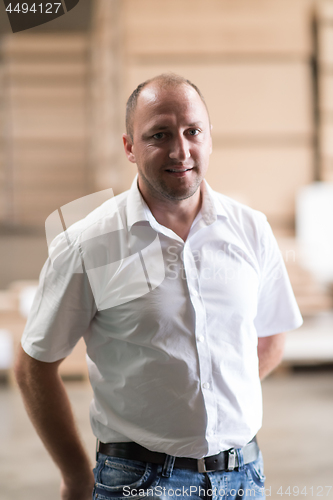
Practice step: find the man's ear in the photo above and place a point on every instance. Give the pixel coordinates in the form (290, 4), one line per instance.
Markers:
(129, 148)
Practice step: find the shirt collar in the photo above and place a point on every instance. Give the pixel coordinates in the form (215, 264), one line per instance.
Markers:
(136, 205)
(211, 206)
(138, 210)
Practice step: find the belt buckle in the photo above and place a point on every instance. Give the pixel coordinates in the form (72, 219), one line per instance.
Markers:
(231, 459)
(202, 465)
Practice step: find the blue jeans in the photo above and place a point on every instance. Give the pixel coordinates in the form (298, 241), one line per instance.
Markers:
(117, 478)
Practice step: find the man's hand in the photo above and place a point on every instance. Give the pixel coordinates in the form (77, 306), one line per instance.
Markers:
(270, 352)
(49, 409)
(81, 490)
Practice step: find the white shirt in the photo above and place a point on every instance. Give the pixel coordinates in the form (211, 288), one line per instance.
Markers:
(171, 327)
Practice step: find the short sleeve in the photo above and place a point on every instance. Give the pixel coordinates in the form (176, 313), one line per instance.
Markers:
(277, 307)
(63, 306)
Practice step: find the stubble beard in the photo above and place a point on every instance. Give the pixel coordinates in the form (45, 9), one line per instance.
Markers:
(162, 190)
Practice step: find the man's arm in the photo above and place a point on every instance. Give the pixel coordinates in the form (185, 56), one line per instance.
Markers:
(49, 409)
(270, 352)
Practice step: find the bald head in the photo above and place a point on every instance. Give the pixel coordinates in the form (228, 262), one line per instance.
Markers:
(163, 81)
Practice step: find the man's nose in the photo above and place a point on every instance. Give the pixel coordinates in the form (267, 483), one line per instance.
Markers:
(179, 149)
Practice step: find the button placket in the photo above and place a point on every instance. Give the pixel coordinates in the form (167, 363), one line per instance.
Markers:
(204, 355)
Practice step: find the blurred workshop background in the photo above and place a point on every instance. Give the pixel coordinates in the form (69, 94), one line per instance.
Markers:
(265, 68)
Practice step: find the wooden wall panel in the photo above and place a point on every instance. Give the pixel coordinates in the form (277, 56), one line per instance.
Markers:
(52, 95)
(57, 177)
(217, 27)
(262, 99)
(325, 42)
(47, 121)
(108, 102)
(325, 83)
(326, 93)
(326, 149)
(267, 179)
(327, 170)
(327, 138)
(3, 145)
(62, 72)
(324, 10)
(51, 46)
(35, 202)
(50, 156)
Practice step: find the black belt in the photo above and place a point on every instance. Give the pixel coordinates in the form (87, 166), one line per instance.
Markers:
(226, 460)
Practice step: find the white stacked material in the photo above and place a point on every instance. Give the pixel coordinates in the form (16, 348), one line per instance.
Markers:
(314, 229)
(6, 349)
(312, 343)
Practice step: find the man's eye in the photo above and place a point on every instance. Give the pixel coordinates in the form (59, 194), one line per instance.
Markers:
(194, 131)
(159, 135)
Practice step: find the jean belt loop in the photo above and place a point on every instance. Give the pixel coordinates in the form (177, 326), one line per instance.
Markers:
(168, 466)
(240, 457)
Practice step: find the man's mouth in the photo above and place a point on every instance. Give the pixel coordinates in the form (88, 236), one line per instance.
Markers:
(178, 170)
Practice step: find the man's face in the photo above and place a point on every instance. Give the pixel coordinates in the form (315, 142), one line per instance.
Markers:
(171, 141)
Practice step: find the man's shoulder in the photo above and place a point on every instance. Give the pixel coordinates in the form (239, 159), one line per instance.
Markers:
(240, 213)
(250, 226)
(108, 215)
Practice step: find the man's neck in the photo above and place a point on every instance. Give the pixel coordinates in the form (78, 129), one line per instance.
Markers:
(177, 215)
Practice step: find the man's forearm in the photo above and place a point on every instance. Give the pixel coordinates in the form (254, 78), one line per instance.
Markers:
(270, 352)
(49, 409)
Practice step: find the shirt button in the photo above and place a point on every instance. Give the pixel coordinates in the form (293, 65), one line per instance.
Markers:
(206, 385)
(194, 293)
(201, 338)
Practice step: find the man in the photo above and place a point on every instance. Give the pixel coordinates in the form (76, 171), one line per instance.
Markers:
(173, 355)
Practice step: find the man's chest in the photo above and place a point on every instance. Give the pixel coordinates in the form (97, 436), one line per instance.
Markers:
(209, 284)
